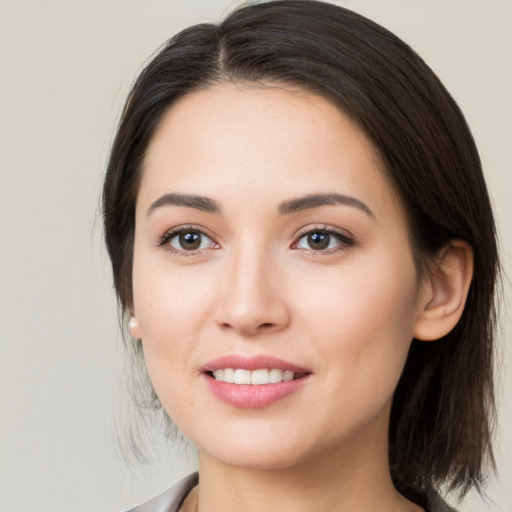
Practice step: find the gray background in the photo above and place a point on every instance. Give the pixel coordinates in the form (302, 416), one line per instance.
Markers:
(65, 69)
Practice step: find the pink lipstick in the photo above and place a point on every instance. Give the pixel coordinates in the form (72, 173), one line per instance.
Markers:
(253, 382)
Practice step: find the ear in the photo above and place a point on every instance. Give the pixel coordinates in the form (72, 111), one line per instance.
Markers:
(445, 290)
(133, 326)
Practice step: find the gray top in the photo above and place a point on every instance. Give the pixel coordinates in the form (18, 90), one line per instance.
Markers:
(172, 499)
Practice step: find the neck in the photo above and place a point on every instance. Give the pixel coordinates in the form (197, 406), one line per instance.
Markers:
(351, 478)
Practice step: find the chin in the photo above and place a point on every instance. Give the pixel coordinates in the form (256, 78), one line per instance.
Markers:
(258, 450)
(258, 459)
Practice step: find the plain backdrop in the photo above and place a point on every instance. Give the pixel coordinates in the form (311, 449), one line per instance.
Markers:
(65, 69)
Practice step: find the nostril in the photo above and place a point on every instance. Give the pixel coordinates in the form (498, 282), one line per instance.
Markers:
(266, 326)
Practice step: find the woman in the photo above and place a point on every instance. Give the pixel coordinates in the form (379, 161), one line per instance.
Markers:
(303, 244)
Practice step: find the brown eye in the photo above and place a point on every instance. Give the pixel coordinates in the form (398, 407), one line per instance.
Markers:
(190, 241)
(318, 241)
(323, 240)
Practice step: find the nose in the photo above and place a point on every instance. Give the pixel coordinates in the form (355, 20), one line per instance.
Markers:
(253, 300)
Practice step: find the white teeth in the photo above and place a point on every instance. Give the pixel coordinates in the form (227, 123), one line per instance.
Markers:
(242, 376)
(219, 375)
(229, 375)
(256, 377)
(276, 376)
(260, 377)
(288, 375)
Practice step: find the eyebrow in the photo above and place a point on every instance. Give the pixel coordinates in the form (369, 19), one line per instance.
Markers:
(316, 200)
(204, 204)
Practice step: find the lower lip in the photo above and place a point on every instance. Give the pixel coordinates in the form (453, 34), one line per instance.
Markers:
(248, 396)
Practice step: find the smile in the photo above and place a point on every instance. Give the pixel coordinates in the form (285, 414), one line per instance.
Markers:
(256, 377)
(253, 382)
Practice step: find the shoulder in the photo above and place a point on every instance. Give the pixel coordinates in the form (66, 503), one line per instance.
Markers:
(170, 500)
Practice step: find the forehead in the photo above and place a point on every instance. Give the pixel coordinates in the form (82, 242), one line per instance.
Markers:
(261, 140)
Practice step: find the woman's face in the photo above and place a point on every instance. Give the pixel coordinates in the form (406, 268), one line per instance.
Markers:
(270, 245)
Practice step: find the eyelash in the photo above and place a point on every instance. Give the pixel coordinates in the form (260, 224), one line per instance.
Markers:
(344, 240)
(169, 235)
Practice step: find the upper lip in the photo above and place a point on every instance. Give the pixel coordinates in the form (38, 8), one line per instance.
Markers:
(252, 363)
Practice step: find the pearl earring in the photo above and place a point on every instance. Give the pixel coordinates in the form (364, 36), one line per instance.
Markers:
(133, 324)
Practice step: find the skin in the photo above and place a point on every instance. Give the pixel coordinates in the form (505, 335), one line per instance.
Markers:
(347, 313)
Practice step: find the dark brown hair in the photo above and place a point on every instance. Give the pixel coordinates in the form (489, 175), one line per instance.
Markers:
(440, 427)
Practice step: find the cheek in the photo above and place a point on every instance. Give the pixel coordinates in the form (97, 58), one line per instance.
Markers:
(168, 300)
(171, 307)
(377, 294)
(364, 322)
(169, 323)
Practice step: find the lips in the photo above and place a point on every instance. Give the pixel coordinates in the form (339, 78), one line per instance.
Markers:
(252, 363)
(253, 382)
